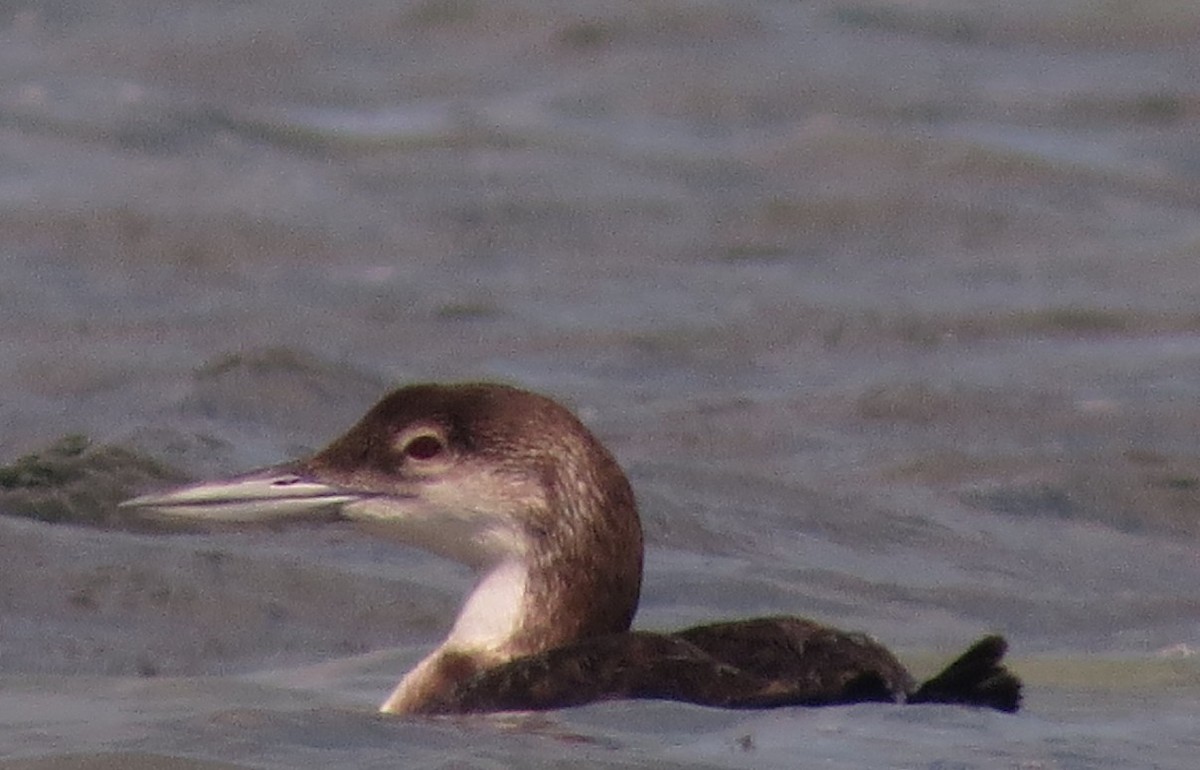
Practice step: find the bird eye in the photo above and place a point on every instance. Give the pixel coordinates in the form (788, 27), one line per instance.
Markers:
(424, 447)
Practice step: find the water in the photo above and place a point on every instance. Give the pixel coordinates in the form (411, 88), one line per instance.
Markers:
(889, 313)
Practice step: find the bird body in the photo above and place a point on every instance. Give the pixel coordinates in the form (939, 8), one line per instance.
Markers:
(513, 485)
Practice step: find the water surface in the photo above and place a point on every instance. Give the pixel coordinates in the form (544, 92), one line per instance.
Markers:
(889, 311)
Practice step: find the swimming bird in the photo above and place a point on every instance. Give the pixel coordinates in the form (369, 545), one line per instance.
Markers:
(513, 485)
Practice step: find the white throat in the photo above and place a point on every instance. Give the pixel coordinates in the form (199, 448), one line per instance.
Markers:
(493, 612)
(489, 620)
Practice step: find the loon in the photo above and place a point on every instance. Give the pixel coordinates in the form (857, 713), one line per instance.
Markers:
(511, 484)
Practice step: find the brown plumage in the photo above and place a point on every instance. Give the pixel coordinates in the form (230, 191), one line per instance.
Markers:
(758, 663)
(513, 485)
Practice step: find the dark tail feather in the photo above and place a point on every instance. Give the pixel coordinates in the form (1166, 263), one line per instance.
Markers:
(976, 678)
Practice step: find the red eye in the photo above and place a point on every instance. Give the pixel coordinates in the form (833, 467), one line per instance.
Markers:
(424, 448)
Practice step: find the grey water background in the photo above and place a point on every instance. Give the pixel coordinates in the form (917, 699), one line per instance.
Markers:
(891, 311)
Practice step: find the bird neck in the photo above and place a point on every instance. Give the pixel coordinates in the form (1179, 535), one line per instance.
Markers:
(580, 577)
(516, 609)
